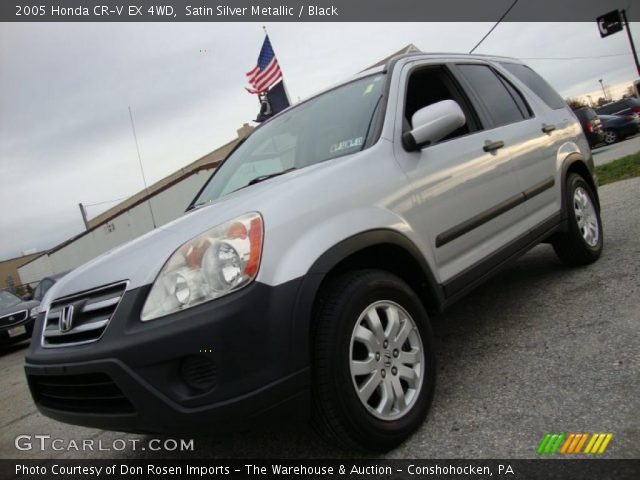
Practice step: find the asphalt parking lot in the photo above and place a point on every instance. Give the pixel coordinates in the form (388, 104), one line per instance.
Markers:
(540, 348)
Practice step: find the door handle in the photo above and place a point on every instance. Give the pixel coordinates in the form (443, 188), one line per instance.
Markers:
(548, 128)
(493, 146)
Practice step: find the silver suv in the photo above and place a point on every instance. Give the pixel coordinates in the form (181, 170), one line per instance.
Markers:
(305, 271)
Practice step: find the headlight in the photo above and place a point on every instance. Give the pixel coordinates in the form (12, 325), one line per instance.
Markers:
(33, 313)
(211, 265)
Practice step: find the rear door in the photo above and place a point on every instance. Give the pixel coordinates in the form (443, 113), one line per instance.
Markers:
(550, 128)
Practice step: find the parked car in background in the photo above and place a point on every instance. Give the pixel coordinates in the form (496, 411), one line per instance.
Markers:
(619, 127)
(16, 321)
(624, 106)
(45, 284)
(591, 125)
(43, 287)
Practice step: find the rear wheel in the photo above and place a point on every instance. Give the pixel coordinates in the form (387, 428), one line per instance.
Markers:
(582, 243)
(374, 366)
(610, 136)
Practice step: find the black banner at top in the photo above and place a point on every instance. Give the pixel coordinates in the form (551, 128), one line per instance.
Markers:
(305, 10)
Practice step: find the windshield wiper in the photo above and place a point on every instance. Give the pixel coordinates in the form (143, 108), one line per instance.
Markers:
(262, 178)
(259, 179)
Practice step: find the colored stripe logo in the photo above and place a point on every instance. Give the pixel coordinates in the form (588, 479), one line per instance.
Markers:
(574, 443)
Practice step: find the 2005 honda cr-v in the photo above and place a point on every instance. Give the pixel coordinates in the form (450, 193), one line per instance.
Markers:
(305, 270)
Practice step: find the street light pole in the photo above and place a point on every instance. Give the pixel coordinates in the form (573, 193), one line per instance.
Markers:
(603, 92)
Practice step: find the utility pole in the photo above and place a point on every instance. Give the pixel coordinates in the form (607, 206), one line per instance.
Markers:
(633, 47)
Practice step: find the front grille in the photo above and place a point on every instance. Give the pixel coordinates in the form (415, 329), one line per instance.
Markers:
(81, 318)
(13, 318)
(86, 393)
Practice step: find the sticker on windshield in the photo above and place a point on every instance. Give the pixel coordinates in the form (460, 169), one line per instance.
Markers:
(345, 144)
(368, 90)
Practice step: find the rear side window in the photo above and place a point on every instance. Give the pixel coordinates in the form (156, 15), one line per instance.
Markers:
(619, 106)
(496, 94)
(586, 113)
(537, 84)
(610, 109)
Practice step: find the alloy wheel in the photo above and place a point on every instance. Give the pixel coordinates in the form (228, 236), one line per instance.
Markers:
(387, 361)
(610, 137)
(586, 216)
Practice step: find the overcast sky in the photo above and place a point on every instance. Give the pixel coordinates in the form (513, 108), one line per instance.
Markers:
(65, 135)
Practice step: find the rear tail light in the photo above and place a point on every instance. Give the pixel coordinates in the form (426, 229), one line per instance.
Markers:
(636, 109)
(589, 126)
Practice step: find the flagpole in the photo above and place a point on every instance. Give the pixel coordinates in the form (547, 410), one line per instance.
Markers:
(144, 179)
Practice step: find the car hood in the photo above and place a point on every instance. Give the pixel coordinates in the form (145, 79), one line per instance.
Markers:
(139, 261)
(19, 307)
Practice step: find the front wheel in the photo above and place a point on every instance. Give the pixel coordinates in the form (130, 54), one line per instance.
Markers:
(610, 136)
(582, 243)
(374, 364)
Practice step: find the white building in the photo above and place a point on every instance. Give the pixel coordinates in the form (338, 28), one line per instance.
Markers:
(168, 199)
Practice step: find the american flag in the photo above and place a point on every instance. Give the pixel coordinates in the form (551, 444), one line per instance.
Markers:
(267, 72)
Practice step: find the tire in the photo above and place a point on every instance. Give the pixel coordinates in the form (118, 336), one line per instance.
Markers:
(339, 414)
(582, 243)
(610, 137)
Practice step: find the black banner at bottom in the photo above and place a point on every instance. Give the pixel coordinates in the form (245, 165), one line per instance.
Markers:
(289, 469)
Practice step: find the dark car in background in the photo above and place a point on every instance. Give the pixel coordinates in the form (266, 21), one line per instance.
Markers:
(45, 284)
(16, 318)
(591, 125)
(625, 106)
(619, 127)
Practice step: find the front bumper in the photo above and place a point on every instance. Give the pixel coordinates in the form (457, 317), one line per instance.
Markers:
(221, 366)
(7, 339)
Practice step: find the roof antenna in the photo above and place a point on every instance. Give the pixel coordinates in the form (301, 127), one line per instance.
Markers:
(144, 180)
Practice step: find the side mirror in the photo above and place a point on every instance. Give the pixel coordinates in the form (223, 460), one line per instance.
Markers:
(433, 123)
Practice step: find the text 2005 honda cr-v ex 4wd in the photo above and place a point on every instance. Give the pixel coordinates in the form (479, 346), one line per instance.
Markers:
(305, 270)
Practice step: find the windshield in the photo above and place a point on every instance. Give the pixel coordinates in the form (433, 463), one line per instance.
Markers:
(8, 300)
(330, 125)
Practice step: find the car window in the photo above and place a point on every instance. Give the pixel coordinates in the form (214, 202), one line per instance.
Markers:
(537, 84)
(42, 289)
(619, 106)
(8, 299)
(524, 107)
(330, 125)
(433, 84)
(276, 154)
(492, 91)
(37, 293)
(586, 113)
(609, 109)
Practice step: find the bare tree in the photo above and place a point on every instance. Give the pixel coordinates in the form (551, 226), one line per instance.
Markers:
(575, 103)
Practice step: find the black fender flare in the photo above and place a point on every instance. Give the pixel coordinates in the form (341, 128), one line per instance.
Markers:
(568, 162)
(312, 281)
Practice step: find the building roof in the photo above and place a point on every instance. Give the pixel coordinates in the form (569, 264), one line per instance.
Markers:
(206, 162)
(410, 48)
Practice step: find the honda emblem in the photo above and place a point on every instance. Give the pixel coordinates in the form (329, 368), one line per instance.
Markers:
(66, 318)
